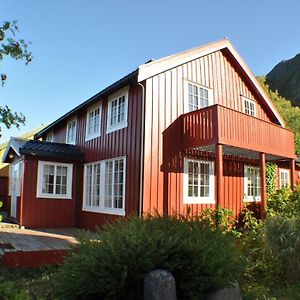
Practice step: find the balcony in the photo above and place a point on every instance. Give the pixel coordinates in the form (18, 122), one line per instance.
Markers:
(241, 134)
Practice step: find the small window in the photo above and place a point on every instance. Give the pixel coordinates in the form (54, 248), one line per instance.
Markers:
(71, 132)
(284, 178)
(252, 184)
(117, 111)
(54, 180)
(249, 106)
(104, 186)
(93, 120)
(198, 181)
(198, 96)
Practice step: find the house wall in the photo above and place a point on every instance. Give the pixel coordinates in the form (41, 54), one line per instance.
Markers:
(123, 142)
(165, 102)
(44, 212)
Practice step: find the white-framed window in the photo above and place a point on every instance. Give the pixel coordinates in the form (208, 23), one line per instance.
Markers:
(249, 106)
(71, 132)
(54, 180)
(251, 184)
(197, 96)
(284, 178)
(198, 181)
(49, 136)
(104, 186)
(117, 111)
(93, 121)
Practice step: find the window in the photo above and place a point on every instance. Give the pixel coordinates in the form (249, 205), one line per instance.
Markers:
(104, 186)
(284, 178)
(117, 111)
(15, 178)
(93, 120)
(252, 184)
(198, 181)
(54, 180)
(198, 97)
(249, 107)
(71, 132)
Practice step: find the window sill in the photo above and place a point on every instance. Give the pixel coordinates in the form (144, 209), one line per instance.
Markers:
(59, 197)
(91, 137)
(115, 128)
(117, 212)
(251, 199)
(198, 200)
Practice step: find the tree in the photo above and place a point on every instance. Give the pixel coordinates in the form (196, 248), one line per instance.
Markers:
(290, 113)
(18, 50)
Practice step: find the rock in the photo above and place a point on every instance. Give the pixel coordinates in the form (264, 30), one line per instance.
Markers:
(159, 285)
(231, 293)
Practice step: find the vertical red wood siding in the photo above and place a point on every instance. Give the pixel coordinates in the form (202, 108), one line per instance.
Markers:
(123, 142)
(165, 102)
(44, 212)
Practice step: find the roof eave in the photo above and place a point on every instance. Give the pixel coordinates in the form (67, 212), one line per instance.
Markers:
(126, 79)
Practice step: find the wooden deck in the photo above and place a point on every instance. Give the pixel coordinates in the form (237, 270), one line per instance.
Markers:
(35, 247)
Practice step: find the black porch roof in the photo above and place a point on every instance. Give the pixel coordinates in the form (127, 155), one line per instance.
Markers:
(53, 150)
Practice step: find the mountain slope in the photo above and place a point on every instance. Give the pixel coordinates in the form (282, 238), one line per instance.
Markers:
(290, 114)
(285, 78)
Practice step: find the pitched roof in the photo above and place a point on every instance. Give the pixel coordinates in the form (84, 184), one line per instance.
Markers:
(108, 90)
(14, 145)
(53, 150)
(166, 63)
(154, 67)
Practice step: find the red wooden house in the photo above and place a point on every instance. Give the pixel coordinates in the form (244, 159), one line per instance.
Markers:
(194, 129)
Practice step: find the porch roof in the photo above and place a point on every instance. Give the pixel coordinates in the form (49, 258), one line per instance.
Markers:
(53, 150)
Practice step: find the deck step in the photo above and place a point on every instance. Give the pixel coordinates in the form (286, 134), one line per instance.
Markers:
(9, 225)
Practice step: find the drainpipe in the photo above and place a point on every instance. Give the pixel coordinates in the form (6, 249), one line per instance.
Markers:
(142, 151)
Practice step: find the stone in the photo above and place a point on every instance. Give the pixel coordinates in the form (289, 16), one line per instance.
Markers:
(159, 285)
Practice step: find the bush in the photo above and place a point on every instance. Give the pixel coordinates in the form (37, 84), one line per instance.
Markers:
(282, 246)
(285, 203)
(112, 264)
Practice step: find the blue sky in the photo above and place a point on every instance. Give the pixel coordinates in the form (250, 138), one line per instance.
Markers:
(80, 47)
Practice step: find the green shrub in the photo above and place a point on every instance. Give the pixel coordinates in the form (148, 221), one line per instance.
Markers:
(282, 246)
(112, 264)
(285, 202)
(271, 178)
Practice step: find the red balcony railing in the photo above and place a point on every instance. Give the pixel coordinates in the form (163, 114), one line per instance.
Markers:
(219, 124)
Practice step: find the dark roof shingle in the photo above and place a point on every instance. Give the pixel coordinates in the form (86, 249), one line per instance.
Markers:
(54, 150)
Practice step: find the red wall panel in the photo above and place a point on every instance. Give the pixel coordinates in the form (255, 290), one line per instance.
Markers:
(44, 212)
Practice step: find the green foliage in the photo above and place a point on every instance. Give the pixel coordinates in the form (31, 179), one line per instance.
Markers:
(113, 264)
(290, 114)
(285, 203)
(26, 284)
(1, 217)
(220, 218)
(18, 50)
(282, 246)
(271, 178)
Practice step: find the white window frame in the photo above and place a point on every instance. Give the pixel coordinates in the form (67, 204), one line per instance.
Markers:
(111, 128)
(286, 172)
(186, 93)
(39, 189)
(244, 100)
(97, 133)
(199, 200)
(101, 208)
(75, 131)
(248, 198)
